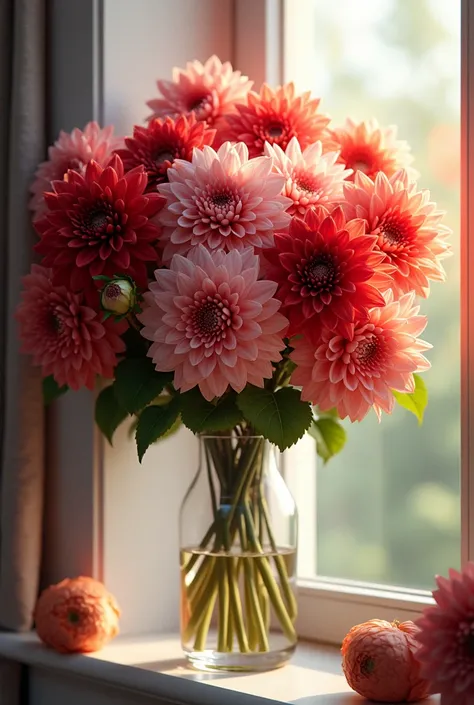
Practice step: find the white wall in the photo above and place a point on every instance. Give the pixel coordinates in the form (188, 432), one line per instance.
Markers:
(106, 515)
(142, 41)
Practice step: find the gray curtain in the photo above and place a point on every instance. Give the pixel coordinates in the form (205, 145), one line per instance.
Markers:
(22, 147)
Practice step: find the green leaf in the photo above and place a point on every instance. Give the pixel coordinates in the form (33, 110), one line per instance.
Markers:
(200, 415)
(109, 413)
(415, 402)
(174, 428)
(137, 383)
(329, 435)
(279, 416)
(154, 423)
(136, 343)
(52, 390)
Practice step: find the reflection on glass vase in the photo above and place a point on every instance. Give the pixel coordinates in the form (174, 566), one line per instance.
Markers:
(238, 535)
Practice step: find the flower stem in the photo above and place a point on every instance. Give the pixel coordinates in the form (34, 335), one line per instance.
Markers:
(223, 626)
(288, 593)
(198, 610)
(263, 566)
(236, 605)
(203, 629)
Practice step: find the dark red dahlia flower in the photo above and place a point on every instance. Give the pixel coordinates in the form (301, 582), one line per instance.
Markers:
(99, 223)
(161, 142)
(327, 271)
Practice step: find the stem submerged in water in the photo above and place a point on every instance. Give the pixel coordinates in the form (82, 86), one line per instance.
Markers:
(238, 571)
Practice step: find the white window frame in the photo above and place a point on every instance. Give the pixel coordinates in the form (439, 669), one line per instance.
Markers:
(75, 533)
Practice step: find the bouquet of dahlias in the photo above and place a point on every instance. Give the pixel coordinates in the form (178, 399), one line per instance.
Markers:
(237, 264)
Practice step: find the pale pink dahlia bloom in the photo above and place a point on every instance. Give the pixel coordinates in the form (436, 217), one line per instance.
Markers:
(355, 373)
(407, 225)
(210, 91)
(447, 638)
(222, 200)
(71, 151)
(212, 322)
(66, 337)
(311, 177)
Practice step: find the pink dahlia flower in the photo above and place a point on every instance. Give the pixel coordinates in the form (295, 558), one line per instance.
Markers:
(212, 323)
(209, 90)
(356, 372)
(407, 226)
(447, 638)
(160, 143)
(311, 177)
(222, 200)
(66, 337)
(275, 116)
(71, 151)
(367, 147)
(326, 271)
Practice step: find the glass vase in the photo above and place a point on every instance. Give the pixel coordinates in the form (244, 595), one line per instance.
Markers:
(238, 537)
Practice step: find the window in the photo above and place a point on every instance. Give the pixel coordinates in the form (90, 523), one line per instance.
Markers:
(386, 511)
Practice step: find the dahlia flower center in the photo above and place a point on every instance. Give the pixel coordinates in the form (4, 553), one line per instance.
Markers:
(466, 641)
(469, 645)
(221, 200)
(367, 351)
(163, 156)
(219, 208)
(98, 220)
(319, 274)
(361, 165)
(209, 319)
(307, 183)
(200, 105)
(55, 321)
(395, 232)
(274, 129)
(98, 223)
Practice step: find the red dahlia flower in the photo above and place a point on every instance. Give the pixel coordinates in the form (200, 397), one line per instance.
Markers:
(327, 271)
(66, 337)
(275, 116)
(99, 224)
(161, 142)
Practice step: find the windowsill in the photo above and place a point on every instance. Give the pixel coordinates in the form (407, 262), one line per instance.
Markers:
(153, 665)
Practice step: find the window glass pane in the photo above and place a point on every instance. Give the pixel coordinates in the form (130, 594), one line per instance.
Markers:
(388, 508)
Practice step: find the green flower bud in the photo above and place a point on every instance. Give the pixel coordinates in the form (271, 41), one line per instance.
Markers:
(119, 297)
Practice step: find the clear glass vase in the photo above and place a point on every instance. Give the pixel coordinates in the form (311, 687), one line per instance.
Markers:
(238, 537)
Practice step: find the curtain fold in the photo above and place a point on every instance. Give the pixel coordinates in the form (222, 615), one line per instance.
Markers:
(22, 147)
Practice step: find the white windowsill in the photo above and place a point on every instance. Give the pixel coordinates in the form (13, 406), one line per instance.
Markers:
(153, 665)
